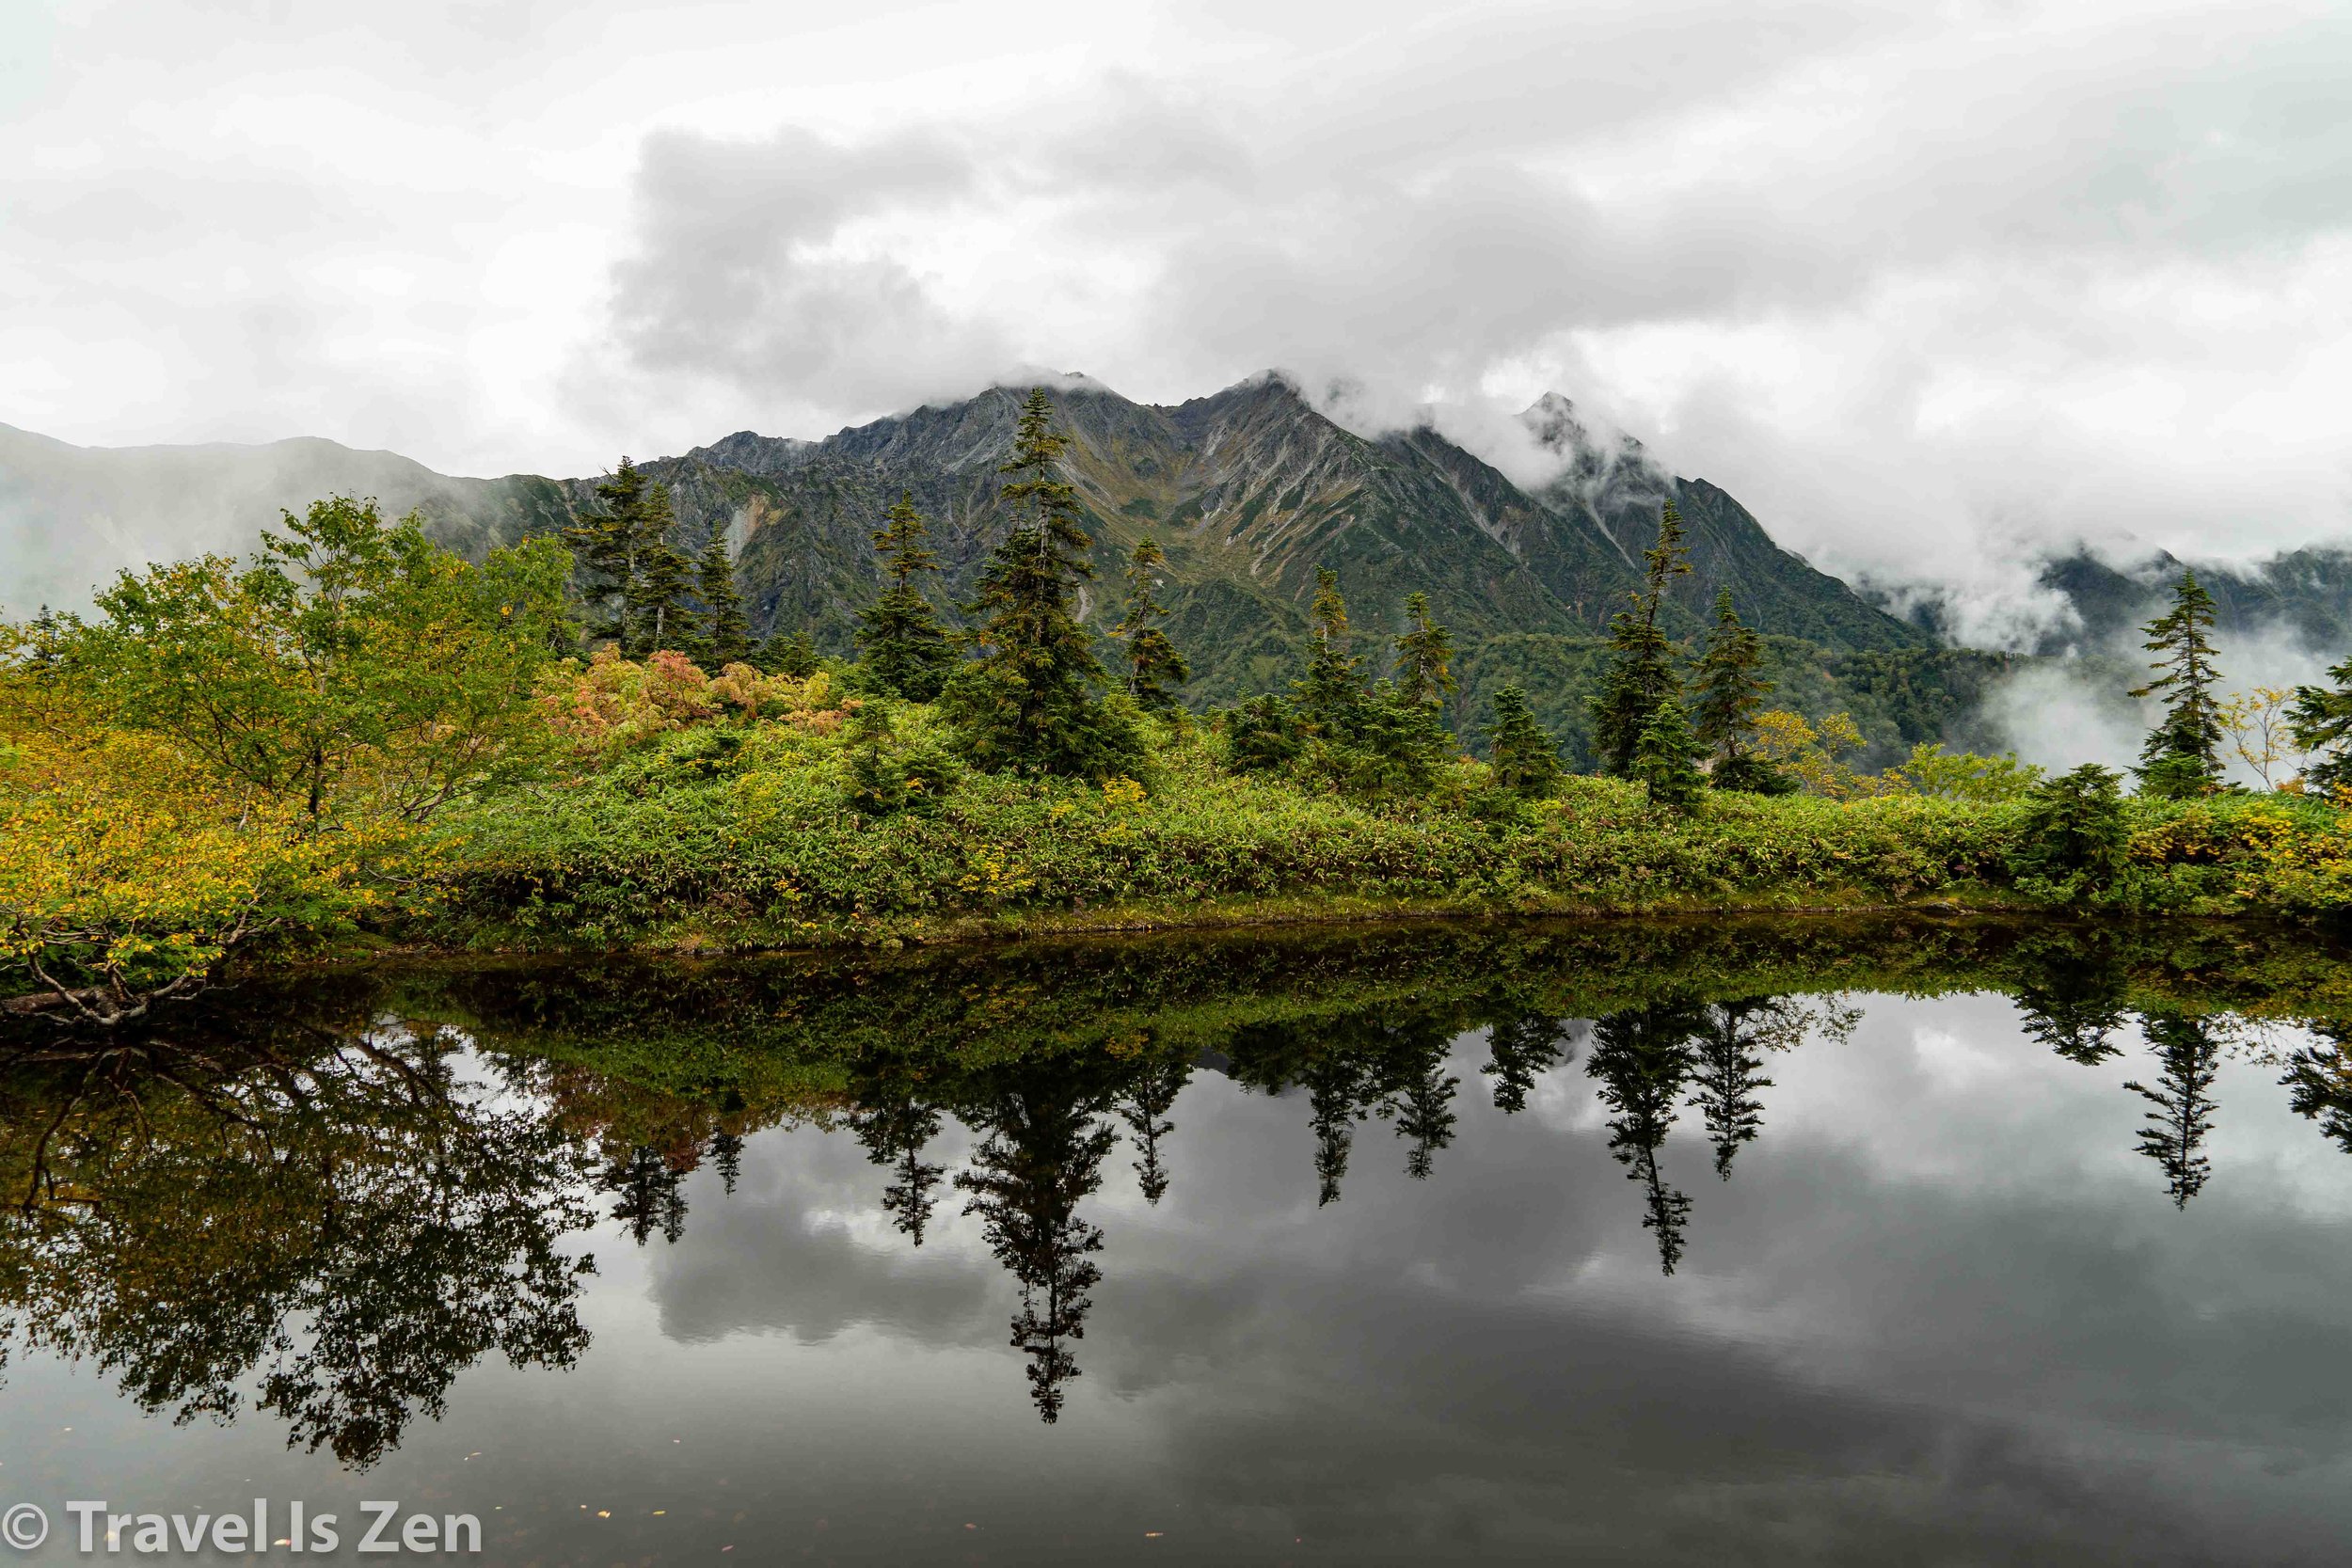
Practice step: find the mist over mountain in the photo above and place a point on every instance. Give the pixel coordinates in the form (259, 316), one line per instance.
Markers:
(1248, 491)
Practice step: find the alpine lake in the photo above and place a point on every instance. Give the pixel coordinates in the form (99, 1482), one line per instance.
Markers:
(1874, 1241)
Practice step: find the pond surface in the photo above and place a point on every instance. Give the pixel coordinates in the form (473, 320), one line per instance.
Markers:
(1864, 1243)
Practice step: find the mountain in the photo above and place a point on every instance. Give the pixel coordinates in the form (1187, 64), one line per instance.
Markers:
(71, 516)
(1248, 491)
(2304, 593)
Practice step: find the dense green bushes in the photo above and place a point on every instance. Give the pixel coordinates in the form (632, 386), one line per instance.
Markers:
(777, 835)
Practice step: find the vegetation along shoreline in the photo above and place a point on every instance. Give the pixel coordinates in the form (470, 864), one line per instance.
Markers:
(357, 738)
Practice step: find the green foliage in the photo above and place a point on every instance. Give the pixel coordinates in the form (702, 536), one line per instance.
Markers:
(1154, 668)
(2322, 724)
(609, 543)
(2072, 837)
(1731, 693)
(659, 617)
(1665, 760)
(1261, 735)
(727, 635)
(1642, 671)
(1030, 702)
(1965, 776)
(1333, 690)
(352, 666)
(792, 655)
(2182, 756)
(1525, 760)
(908, 653)
(889, 772)
(1424, 656)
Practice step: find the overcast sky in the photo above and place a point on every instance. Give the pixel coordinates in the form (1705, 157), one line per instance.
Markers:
(1920, 283)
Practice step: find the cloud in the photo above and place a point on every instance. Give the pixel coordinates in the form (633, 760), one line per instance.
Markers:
(1930, 288)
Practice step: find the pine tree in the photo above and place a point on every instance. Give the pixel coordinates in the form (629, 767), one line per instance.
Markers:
(1424, 656)
(1664, 759)
(1641, 671)
(2182, 756)
(658, 616)
(792, 654)
(1726, 1077)
(1643, 1059)
(726, 636)
(1730, 693)
(907, 652)
(2322, 723)
(609, 546)
(1519, 1051)
(1154, 667)
(1030, 702)
(1331, 698)
(1526, 762)
(2188, 1059)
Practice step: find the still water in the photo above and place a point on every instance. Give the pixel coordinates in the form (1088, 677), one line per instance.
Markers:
(1944, 1243)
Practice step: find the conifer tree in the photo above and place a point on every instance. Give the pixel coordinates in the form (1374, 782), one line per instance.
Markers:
(1725, 1079)
(2322, 724)
(1424, 656)
(1154, 668)
(1331, 698)
(907, 651)
(1731, 693)
(2182, 756)
(1640, 671)
(1030, 702)
(2181, 1116)
(726, 636)
(610, 545)
(1664, 761)
(659, 615)
(792, 654)
(1526, 762)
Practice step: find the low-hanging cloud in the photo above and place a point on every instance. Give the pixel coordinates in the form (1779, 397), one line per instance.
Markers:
(1933, 289)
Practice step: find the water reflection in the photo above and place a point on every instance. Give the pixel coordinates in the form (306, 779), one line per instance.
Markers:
(330, 1214)
(303, 1203)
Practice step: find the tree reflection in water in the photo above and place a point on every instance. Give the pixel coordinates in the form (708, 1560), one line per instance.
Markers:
(335, 1214)
(297, 1208)
(2181, 1101)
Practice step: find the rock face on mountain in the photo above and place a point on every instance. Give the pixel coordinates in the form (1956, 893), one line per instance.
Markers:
(2305, 594)
(1249, 491)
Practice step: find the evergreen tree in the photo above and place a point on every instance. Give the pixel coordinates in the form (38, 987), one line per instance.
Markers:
(1664, 759)
(1519, 1051)
(792, 654)
(2322, 724)
(1641, 672)
(1643, 1059)
(726, 1157)
(1144, 1108)
(1526, 762)
(1030, 702)
(1042, 1156)
(1727, 1075)
(908, 653)
(1331, 698)
(2182, 756)
(1731, 693)
(652, 1194)
(1423, 1107)
(660, 618)
(726, 636)
(1424, 656)
(609, 545)
(1154, 667)
(2187, 1057)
